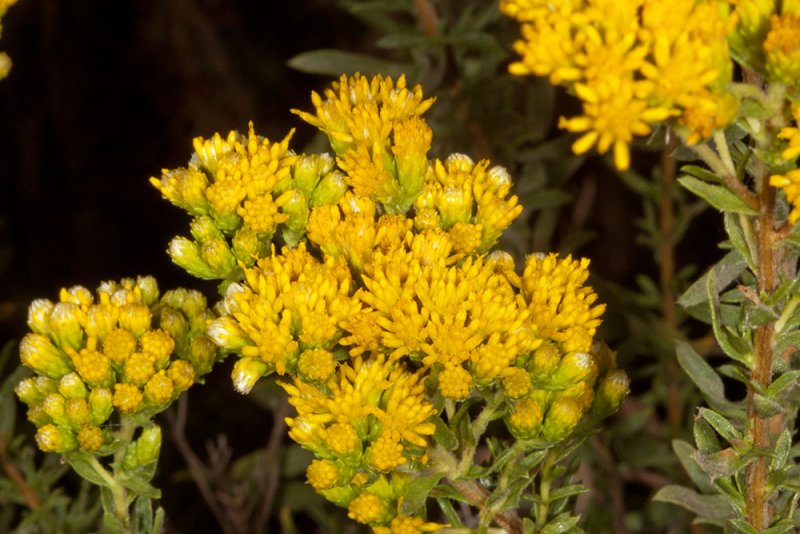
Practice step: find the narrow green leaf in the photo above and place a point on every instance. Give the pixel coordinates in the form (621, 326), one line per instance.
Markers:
(701, 172)
(714, 508)
(743, 527)
(140, 486)
(416, 494)
(723, 427)
(528, 526)
(718, 196)
(443, 435)
(732, 344)
(684, 451)
(724, 271)
(783, 447)
(143, 515)
(568, 491)
(780, 384)
(725, 463)
(736, 234)
(337, 62)
(79, 461)
(705, 378)
(560, 524)
(766, 407)
(704, 436)
(781, 527)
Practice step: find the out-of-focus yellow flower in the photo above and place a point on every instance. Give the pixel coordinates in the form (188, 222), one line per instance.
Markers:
(792, 135)
(782, 48)
(790, 184)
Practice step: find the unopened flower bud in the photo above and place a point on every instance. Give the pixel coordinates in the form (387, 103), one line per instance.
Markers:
(173, 322)
(27, 392)
(127, 398)
(71, 386)
(148, 286)
(611, 391)
(100, 404)
(525, 419)
(38, 416)
(118, 345)
(562, 417)
(78, 413)
(46, 385)
(136, 318)
(148, 445)
(159, 345)
(39, 315)
(202, 354)
(203, 229)
(574, 367)
(309, 169)
(296, 208)
(186, 254)
(246, 373)
(227, 334)
(65, 325)
(38, 353)
(78, 295)
(52, 438)
(369, 509)
(218, 256)
(412, 140)
(544, 361)
(159, 390)
(54, 405)
(248, 246)
(101, 319)
(182, 375)
(323, 474)
(330, 189)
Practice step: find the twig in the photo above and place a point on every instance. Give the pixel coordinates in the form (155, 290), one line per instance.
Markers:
(269, 472)
(31, 498)
(196, 467)
(426, 15)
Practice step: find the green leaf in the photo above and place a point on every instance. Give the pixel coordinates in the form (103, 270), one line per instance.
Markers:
(743, 527)
(337, 62)
(722, 464)
(714, 508)
(783, 447)
(568, 491)
(780, 384)
(701, 172)
(723, 427)
(766, 407)
(705, 378)
(704, 436)
(560, 524)
(732, 344)
(416, 494)
(724, 271)
(781, 527)
(718, 196)
(684, 451)
(139, 486)
(736, 234)
(143, 515)
(79, 461)
(443, 435)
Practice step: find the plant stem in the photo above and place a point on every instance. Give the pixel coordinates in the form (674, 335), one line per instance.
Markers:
(545, 476)
(758, 509)
(118, 491)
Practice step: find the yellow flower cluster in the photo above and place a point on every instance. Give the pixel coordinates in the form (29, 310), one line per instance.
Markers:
(125, 349)
(5, 61)
(632, 63)
(385, 300)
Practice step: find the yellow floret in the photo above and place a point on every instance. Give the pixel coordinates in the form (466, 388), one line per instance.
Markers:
(139, 368)
(385, 454)
(341, 439)
(367, 508)
(316, 364)
(127, 398)
(90, 438)
(182, 375)
(159, 389)
(159, 344)
(322, 474)
(455, 383)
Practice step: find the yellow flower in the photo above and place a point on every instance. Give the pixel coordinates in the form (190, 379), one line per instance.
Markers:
(782, 48)
(525, 419)
(342, 440)
(90, 438)
(368, 170)
(345, 229)
(455, 382)
(790, 184)
(322, 474)
(361, 110)
(52, 438)
(385, 454)
(127, 398)
(316, 365)
(368, 508)
(403, 524)
(792, 135)
(560, 305)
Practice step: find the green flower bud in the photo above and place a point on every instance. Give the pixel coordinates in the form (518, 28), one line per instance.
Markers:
(101, 319)
(525, 419)
(186, 254)
(37, 415)
(71, 386)
(329, 190)
(52, 438)
(574, 367)
(247, 246)
(561, 419)
(297, 209)
(38, 353)
(131, 460)
(100, 405)
(611, 391)
(148, 446)
(203, 229)
(309, 169)
(135, 318)
(46, 385)
(202, 354)
(65, 325)
(77, 412)
(544, 361)
(173, 323)
(54, 405)
(227, 334)
(27, 392)
(246, 373)
(149, 289)
(218, 256)
(78, 295)
(39, 315)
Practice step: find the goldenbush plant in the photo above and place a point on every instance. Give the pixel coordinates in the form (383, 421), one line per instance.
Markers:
(439, 378)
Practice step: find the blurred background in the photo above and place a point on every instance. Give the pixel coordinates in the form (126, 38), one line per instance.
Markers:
(103, 95)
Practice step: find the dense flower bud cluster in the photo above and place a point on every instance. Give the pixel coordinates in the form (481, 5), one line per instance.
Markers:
(385, 305)
(124, 350)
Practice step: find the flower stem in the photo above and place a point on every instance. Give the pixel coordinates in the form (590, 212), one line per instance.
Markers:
(545, 475)
(757, 505)
(118, 491)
